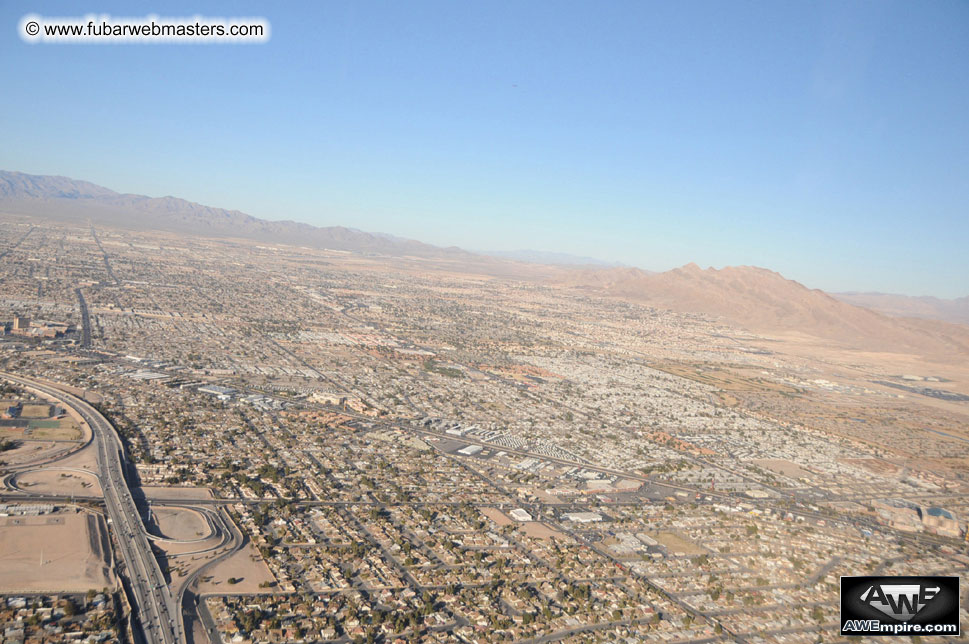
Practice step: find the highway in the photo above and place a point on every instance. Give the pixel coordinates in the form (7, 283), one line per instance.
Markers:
(156, 608)
(189, 601)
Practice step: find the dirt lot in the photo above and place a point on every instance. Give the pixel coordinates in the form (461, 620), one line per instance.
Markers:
(183, 524)
(57, 481)
(85, 459)
(246, 565)
(54, 553)
(28, 452)
(876, 465)
(729, 380)
(538, 530)
(781, 466)
(497, 516)
(12, 433)
(678, 544)
(35, 410)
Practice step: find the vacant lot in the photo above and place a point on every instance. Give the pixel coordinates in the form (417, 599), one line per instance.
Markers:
(497, 516)
(678, 544)
(56, 481)
(725, 379)
(538, 530)
(12, 433)
(53, 553)
(182, 524)
(245, 566)
(781, 466)
(36, 451)
(876, 465)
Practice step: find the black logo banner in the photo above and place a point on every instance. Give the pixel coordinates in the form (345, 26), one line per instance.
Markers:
(900, 606)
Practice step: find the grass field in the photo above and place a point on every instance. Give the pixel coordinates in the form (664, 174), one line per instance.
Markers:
(64, 429)
(45, 424)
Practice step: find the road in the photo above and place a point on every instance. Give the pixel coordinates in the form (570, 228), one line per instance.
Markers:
(104, 256)
(156, 608)
(85, 320)
(189, 602)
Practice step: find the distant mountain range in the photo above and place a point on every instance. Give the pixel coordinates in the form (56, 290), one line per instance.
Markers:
(755, 298)
(66, 199)
(930, 308)
(548, 258)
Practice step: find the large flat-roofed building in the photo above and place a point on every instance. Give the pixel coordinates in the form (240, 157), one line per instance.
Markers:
(520, 514)
(216, 390)
(583, 517)
(942, 522)
(899, 514)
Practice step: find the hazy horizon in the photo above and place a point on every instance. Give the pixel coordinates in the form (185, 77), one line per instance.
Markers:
(824, 141)
(552, 256)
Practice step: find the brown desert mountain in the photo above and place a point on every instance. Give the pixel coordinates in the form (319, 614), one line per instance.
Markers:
(930, 308)
(764, 301)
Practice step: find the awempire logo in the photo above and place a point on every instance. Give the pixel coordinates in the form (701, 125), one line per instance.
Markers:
(900, 605)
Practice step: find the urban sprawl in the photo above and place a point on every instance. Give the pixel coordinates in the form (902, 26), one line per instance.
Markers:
(226, 441)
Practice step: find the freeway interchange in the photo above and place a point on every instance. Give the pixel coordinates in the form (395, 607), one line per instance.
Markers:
(157, 609)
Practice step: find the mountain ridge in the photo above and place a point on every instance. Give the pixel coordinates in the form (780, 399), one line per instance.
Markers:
(748, 296)
(63, 198)
(549, 258)
(763, 300)
(955, 310)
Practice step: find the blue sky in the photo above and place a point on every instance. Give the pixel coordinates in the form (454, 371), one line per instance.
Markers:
(827, 141)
